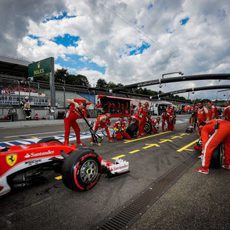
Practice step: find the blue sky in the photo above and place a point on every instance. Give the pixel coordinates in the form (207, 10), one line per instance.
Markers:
(77, 62)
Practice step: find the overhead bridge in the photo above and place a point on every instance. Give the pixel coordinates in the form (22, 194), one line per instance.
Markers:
(198, 77)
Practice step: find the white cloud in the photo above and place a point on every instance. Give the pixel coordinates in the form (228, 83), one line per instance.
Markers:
(106, 27)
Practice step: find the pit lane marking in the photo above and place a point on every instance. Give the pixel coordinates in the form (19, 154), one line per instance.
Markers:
(165, 140)
(58, 178)
(187, 146)
(31, 134)
(118, 157)
(134, 151)
(184, 134)
(151, 145)
(142, 138)
(175, 137)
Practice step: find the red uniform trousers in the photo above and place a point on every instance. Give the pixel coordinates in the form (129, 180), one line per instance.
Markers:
(170, 122)
(103, 126)
(207, 131)
(221, 135)
(68, 124)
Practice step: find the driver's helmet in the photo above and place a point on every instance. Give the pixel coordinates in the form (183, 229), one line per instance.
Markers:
(26, 98)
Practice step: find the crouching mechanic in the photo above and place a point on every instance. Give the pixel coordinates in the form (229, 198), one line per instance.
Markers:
(119, 128)
(102, 122)
(220, 135)
(155, 124)
(71, 121)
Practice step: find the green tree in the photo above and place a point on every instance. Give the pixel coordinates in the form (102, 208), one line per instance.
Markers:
(61, 75)
(101, 83)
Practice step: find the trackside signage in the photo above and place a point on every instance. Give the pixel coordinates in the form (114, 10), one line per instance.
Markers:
(40, 68)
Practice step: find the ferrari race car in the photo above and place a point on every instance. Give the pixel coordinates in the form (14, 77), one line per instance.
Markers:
(80, 168)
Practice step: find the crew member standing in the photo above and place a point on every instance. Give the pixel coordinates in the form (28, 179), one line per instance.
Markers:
(202, 116)
(71, 121)
(171, 117)
(143, 115)
(164, 119)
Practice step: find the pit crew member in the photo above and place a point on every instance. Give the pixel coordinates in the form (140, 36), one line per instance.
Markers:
(221, 134)
(119, 128)
(103, 121)
(71, 121)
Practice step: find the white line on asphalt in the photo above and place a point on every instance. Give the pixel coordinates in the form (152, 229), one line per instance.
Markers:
(30, 134)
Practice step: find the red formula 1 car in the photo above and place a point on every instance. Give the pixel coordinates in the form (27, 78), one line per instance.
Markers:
(80, 168)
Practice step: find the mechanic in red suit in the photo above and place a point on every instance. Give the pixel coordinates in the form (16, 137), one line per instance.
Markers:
(143, 115)
(119, 128)
(164, 119)
(103, 121)
(71, 121)
(171, 117)
(202, 116)
(220, 135)
(212, 111)
(155, 124)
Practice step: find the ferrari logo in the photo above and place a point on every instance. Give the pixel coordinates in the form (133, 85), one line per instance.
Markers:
(11, 159)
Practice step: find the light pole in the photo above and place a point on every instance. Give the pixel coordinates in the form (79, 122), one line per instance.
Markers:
(19, 94)
(64, 95)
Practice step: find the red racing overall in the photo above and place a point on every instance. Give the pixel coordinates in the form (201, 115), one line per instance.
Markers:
(143, 114)
(71, 121)
(103, 122)
(221, 134)
(170, 118)
(119, 128)
(164, 119)
(202, 116)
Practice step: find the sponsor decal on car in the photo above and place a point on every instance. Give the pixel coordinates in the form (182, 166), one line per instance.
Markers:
(33, 162)
(11, 159)
(29, 155)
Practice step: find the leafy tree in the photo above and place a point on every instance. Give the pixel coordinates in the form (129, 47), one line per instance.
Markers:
(101, 83)
(61, 75)
(77, 80)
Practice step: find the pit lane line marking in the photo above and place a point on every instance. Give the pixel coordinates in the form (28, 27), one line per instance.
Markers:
(186, 146)
(175, 137)
(30, 134)
(142, 138)
(165, 140)
(151, 145)
(118, 157)
(58, 178)
(134, 151)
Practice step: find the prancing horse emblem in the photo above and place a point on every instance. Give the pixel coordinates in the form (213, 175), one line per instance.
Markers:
(11, 159)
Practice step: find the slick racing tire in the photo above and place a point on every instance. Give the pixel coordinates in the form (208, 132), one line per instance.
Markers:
(148, 128)
(50, 140)
(132, 129)
(81, 170)
(217, 157)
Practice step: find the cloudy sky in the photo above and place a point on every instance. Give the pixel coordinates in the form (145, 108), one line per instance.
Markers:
(123, 41)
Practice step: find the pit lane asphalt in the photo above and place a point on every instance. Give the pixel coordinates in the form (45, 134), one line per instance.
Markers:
(52, 206)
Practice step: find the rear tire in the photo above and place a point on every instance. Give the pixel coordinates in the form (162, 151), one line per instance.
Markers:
(217, 157)
(81, 170)
(132, 129)
(148, 127)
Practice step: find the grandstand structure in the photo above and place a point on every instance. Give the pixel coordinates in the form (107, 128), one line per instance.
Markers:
(14, 86)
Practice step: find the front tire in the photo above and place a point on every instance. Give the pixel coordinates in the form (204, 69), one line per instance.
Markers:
(81, 170)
